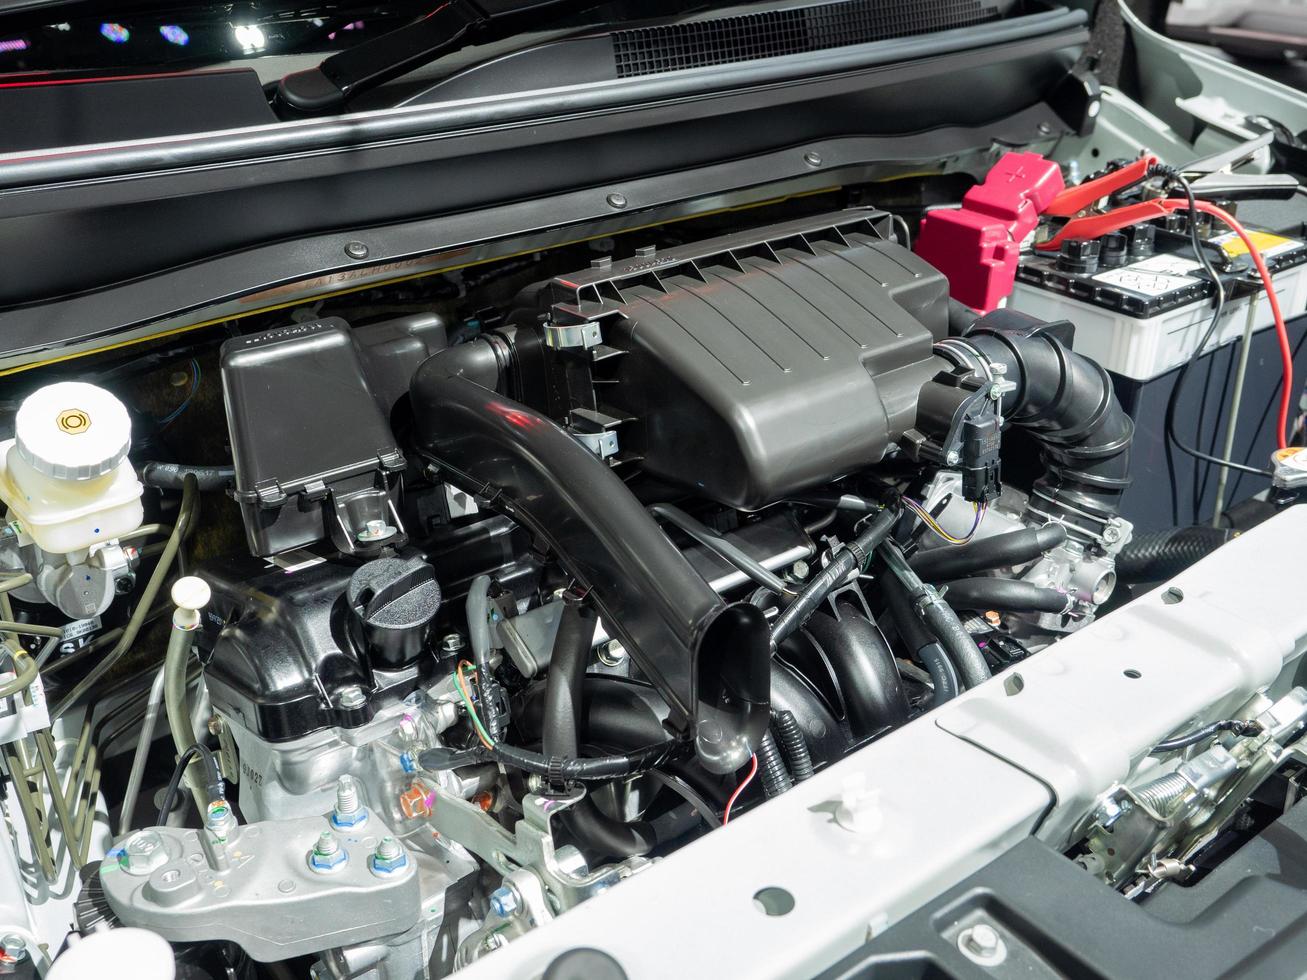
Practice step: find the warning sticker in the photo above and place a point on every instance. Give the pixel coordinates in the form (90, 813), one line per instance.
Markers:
(1172, 265)
(1143, 281)
(1266, 243)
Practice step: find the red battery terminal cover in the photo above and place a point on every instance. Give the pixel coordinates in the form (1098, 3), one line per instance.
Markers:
(977, 246)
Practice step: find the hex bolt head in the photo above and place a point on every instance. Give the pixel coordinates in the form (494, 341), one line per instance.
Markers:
(389, 857)
(612, 654)
(952, 458)
(352, 698)
(982, 944)
(504, 901)
(143, 852)
(451, 643)
(14, 946)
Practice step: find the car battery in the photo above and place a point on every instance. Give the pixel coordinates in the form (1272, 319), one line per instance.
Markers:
(1140, 301)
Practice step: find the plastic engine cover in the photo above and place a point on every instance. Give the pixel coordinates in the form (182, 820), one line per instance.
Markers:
(760, 363)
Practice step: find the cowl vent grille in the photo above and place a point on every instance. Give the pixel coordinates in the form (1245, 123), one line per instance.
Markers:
(749, 37)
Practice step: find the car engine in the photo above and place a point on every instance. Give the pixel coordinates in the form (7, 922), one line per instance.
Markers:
(391, 634)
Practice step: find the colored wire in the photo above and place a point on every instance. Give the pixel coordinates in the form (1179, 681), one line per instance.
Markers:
(924, 516)
(461, 684)
(1281, 329)
(1173, 401)
(753, 771)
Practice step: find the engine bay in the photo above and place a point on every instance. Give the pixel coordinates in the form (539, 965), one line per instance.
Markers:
(778, 562)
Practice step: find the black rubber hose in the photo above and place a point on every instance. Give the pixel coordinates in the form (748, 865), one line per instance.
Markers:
(998, 551)
(1165, 554)
(567, 662)
(1066, 402)
(793, 745)
(961, 648)
(1003, 594)
(771, 767)
(843, 563)
(920, 642)
(865, 669)
(594, 830)
(710, 539)
(171, 476)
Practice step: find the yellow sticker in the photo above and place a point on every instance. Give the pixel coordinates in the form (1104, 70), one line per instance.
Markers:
(1266, 243)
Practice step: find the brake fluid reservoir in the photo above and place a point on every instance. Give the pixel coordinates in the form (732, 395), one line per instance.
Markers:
(65, 475)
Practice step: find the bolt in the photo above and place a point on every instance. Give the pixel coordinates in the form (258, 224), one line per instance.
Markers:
(952, 458)
(352, 698)
(375, 531)
(616, 200)
(451, 643)
(348, 812)
(812, 158)
(1045, 129)
(994, 618)
(1111, 533)
(612, 654)
(800, 570)
(356, 250)
(219, 820)
(389, 857)
(143, 853)
(504, 901)
(15, 947)
(327, 854)
(981, 942)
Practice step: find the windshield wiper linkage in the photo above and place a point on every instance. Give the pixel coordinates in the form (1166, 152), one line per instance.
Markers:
(450, 26)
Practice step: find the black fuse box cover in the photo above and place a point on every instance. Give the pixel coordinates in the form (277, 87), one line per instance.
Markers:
(314, 455)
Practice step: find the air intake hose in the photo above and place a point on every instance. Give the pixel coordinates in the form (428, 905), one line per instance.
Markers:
(1066, 402)
(1165, 554)
(711, 661)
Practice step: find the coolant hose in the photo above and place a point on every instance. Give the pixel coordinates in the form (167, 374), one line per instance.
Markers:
(171, 476)
(999, 551)
(961, 648)
(842, 564)
(943, 675)
(572, 643)
(593, 829)
(771, 767)
(1004, 595)
(1162, 555)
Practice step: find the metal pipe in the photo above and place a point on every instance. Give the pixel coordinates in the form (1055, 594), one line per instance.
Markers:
(1240, 376)
(142, 752)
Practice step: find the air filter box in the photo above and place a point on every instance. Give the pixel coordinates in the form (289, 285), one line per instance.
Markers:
(748, 367)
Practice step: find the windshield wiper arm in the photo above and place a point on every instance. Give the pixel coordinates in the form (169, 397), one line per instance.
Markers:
(452, 25)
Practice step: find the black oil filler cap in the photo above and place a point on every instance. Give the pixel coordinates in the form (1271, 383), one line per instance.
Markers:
(394, 601)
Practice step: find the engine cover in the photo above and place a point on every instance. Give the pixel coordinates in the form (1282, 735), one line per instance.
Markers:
(761, 363)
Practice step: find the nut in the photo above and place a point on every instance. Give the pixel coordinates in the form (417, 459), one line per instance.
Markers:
(327, 854)
(389, 857)
(504, 901)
